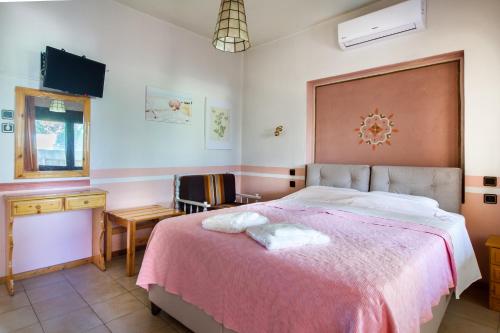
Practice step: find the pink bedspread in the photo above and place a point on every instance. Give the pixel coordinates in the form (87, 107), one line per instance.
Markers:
(376, 275)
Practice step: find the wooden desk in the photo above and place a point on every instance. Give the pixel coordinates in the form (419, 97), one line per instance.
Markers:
(128, 219)
(493, 244)
(53, 202)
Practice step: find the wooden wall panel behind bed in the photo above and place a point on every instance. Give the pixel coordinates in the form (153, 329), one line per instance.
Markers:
(419, 107)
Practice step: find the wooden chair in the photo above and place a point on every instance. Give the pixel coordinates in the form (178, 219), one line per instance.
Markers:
(196, 193)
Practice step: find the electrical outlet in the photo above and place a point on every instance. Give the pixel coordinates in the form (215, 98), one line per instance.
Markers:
(490, 199)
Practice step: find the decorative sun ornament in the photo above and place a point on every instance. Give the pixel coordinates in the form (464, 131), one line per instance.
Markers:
(376, 129)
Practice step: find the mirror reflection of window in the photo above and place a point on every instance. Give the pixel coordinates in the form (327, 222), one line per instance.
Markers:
(54, 135)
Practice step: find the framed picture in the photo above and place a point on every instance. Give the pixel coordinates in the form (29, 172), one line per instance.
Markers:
(8, 114)
(168, 107)
(218, 125)
(7, 128)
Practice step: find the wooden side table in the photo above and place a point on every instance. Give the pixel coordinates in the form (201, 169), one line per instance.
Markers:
(129, 219)
(493, 243)
(46, 202)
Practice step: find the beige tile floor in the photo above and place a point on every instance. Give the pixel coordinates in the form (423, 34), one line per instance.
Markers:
(84, 299)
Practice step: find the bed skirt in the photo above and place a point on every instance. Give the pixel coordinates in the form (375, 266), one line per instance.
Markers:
(199, 321)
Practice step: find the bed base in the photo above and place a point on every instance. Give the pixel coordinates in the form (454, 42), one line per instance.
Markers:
(199, 321)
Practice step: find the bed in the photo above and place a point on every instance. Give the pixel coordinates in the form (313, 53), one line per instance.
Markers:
(393, 263)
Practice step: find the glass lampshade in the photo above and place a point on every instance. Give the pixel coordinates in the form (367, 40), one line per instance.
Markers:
(231, 32)
(57, 106)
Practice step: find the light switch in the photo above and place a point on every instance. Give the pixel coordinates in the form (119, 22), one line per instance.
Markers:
(490, 181)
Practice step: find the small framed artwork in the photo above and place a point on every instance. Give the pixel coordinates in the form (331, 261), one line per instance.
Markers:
(218, 125)
(168, 107)
(8, 114)
(7, 128)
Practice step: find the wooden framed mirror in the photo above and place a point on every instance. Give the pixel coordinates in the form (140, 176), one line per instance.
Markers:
(52, 135)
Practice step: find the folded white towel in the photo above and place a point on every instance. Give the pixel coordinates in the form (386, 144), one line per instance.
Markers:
(291, 230)
(284, 235)
(233, 223)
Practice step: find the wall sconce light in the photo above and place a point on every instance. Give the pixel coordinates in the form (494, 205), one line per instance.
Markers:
(278, 131)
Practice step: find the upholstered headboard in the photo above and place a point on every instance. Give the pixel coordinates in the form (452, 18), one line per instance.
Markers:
(339, 175)
(441, 184)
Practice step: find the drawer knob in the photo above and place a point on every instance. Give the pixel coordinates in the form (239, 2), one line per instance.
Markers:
(86, 202)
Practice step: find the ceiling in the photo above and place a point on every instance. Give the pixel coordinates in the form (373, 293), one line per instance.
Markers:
(267, 19)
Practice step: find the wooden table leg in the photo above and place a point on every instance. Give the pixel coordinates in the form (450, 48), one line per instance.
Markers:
(109, 237)
(130, 248)
(9, 278)
(98, 238)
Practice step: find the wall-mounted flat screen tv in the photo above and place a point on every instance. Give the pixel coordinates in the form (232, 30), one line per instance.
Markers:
(73, 74)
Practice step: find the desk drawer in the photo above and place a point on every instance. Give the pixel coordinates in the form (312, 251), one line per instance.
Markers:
(38, 206)
(495, 289)
(495, 273)
(83, 202)
(494, 256)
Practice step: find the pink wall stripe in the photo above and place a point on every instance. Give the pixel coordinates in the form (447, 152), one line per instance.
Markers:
(471, 181)
(142, 172)
(135, 194)
(269, 188)
(474, 181)
(299, 171)
(5, 187)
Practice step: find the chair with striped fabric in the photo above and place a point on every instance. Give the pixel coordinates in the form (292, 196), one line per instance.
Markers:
(195, 193)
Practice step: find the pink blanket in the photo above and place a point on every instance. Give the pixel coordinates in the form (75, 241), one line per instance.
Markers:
(376, 275)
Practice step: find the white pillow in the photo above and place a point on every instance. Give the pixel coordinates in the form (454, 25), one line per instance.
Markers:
(322, 193)
(331, 188)
(428, 202)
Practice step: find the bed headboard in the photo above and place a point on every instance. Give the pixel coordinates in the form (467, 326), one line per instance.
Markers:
(339, 175)
(441, 184)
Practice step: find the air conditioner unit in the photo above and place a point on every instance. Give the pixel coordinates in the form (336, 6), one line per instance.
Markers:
(392, 21)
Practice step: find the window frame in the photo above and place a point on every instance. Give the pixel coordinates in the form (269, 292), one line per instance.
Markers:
(69, 118)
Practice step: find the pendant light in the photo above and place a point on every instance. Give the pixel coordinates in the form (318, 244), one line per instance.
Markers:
(231, 32)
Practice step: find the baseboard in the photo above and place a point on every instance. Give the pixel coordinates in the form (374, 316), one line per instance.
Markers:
(49, 269)
(60, 267)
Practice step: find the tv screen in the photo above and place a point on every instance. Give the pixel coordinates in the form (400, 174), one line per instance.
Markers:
(71, 73)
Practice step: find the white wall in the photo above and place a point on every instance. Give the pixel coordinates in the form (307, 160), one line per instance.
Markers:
(138, 50)
(276, 76)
